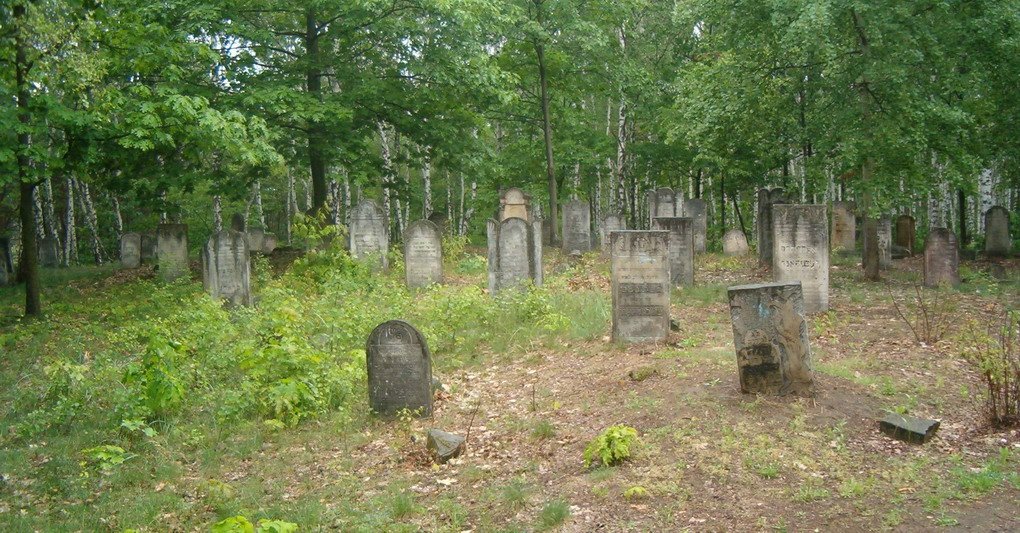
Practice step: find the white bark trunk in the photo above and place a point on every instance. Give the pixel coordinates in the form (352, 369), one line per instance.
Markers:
(70, 255)
(260, 214)
(217, 214)
(426, 183)
(118, 218)
(387, 171)
(91, 223)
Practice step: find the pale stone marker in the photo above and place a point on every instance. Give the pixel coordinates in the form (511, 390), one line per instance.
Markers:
(941, 258)
(844, 227)
(256, 240)
(148, 247)
(226, 268)
(664, 202)
(48, 256)
(906, 232)
(640, 285)
(515, 253)
(884, 242)
(423, 254)
(609, 224)
(515, 204)
(131, 250)
(269, 244)
(681, 248)
(576, 227)
(998, 241)
(766, 199)
(399, 370)
(800, 237)
(771, 338)
(172, 246)
(695, 210)
(734, 242)
(368, 233)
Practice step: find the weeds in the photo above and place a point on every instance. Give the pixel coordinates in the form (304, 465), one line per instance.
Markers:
(995, 352)
(929, 316)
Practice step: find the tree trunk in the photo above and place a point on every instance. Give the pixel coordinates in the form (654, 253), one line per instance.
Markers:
(426, 184)
(70, 255)
(217, 214)
(347, 194)
(870, 256)
(316, 135)
(91, 221)
(291, 204)
(49, 213)
(29, 270)
(387, 174)
(460, 221)
(466, 219)
(961, 198)
(260, 214)
(550, 166)
(118, 218)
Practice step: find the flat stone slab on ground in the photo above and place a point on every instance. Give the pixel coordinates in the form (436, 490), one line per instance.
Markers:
(908, 428)
(444, 446)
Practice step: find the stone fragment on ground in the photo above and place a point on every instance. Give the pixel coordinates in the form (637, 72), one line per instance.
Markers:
(908, 428)
(444, 446)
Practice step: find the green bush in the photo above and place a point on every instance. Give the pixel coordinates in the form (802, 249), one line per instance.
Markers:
(612, 446)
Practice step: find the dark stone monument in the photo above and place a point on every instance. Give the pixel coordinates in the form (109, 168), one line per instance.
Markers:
(6, 262)
(908, 428)
(48, 254)
(441, 222)
(423, 254)
(368, 233)
(576, 227)
(941, 258)
(998, 242)
(695, 210)
(766, 199)
(172, 246)
(444, 446)
(681, 248)
(515, 253)
(640, 285)
(399, 370)
(226, 268)
(885, 244)
(734, 242)
(906, 233)
(800, 240)
(131, 250)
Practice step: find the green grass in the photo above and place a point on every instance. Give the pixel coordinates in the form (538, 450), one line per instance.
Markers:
(553, 514)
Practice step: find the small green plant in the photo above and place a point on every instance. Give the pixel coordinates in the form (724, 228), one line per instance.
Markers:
(995, 352)
(612, 446)
(636, 492)
(106, 457)
(516, 494)
(553, 514)
(240, 524)
(543, 429)
(929, 314)
(402, 505)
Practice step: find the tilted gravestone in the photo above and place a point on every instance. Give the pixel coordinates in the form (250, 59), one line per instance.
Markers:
(681, 248)
(514, 203)
(6, 262)
(800, 237)
(664, 202)
(734, 242)
(576, 227)
(998, 241)
(771, 338)
(226, 268)
(515, 253)
(640, 285)
(844, 227)
(48, 256)
(172, 246)
(423, 254)
(131, 250)
(148, 247)
(906, 232)
(609, 224)
(368, 233)
(766, 199)
(399, 370)
(941, 258)
(695, 210)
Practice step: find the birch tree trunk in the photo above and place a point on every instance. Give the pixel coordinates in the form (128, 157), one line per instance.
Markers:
(460, 221)
(466, 219)
(48, 211)
(387, 174)
(260, 214)
(291, 204)
(426, 184)
(70, 255)
(118, 218)
(217, 214)
(91, 223)
(347, 195)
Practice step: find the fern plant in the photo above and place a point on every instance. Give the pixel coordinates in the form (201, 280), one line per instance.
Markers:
(612, 446)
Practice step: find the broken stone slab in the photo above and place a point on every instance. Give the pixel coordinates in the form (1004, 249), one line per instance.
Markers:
(444, 446)
(908, 428)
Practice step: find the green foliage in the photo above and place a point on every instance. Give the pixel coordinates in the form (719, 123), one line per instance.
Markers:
(553, 514)
(613, 446)
(994, 351)
(240, 524)
(106, 457)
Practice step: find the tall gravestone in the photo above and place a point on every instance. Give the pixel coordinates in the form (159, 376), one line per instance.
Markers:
(399, 370)
(695, 210)
(6, 262)
(226, 268)
(368, 233)
(172, 246)
(640, 285)
(734, 242)
(515, 253)
(771, 338)
(998, 241)
(844, 227)
(906, 233)
(800, 236)
(607, 225)
(766, 199)
(423, 254)
(576, 227)
(148, 247)
(681, 248)
(664, 202)
(514, 203)
(131, 250)
(941, 258)
(48, 256)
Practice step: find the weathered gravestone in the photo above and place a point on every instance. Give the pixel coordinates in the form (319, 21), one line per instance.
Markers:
(148, 247)
(800, 240)
(681, 248)
(423, 254)
(609, 224)
(269, 244)
(237, 222)
(771, 338)
(695, 210)
(998, 242)
(6, 262)
(906, 232)
(576, 227)
(844, 227)
(131, 250)
(515, 204)
(48, 256)
(172, 246)
(515, 253)
(664, 202)
(734, 242)
(941, 258)
(256, 240)
(226, 268)
(640, 285)
(766, 199)
(368, 233)
(885, 242)
(399, 370)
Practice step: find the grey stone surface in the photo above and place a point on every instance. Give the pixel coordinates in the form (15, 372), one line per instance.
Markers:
(681, 248)
(694, 209)
(734, 242)
(148, 247)
(771, 338)
(609, 224)
(423, 254)
(763, 231)
(515, 253)
(444, 446)
(998, 242)
(664, 202)
(270, 243)
(172, 251)
(131, 250)
(441, 222)
(368, 237)
(640, 285)
(941, 258)
(399, 370)
(844, 227)
(800, 240)
(514, 203)
(256, 240)
(906, 233)
(48, 256)
(884, 229)
(226, 268)
(576, 227)
(908, 428)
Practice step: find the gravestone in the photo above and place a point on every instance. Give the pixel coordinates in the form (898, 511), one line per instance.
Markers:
(131, 250)
(515, 204)
(237, 222)
(884, 242)
(399, 370)
(368, 233)
(576, 227)
(800, 241)
(640, 285)
(695, 210)
(766, 199)
(148, 247)
(908, 428)
(256, 240)
(172, 246)
(844, 227)
(734, 242)
(609, 224)
(681, 248)
(515, 253)
(226, 268)
(771, 338)
(941, 258)
(998, 242)
(269, 244)
(664, 202)
(906, 233)
(48, 256)
(6, 262)
(423, 254)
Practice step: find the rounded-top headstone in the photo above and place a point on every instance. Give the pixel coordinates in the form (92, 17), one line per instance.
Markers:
(941, 258)
(131, 250)
(399, 370)
(237, 222)
(998, 241)
(515, 204)
(734, 242)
